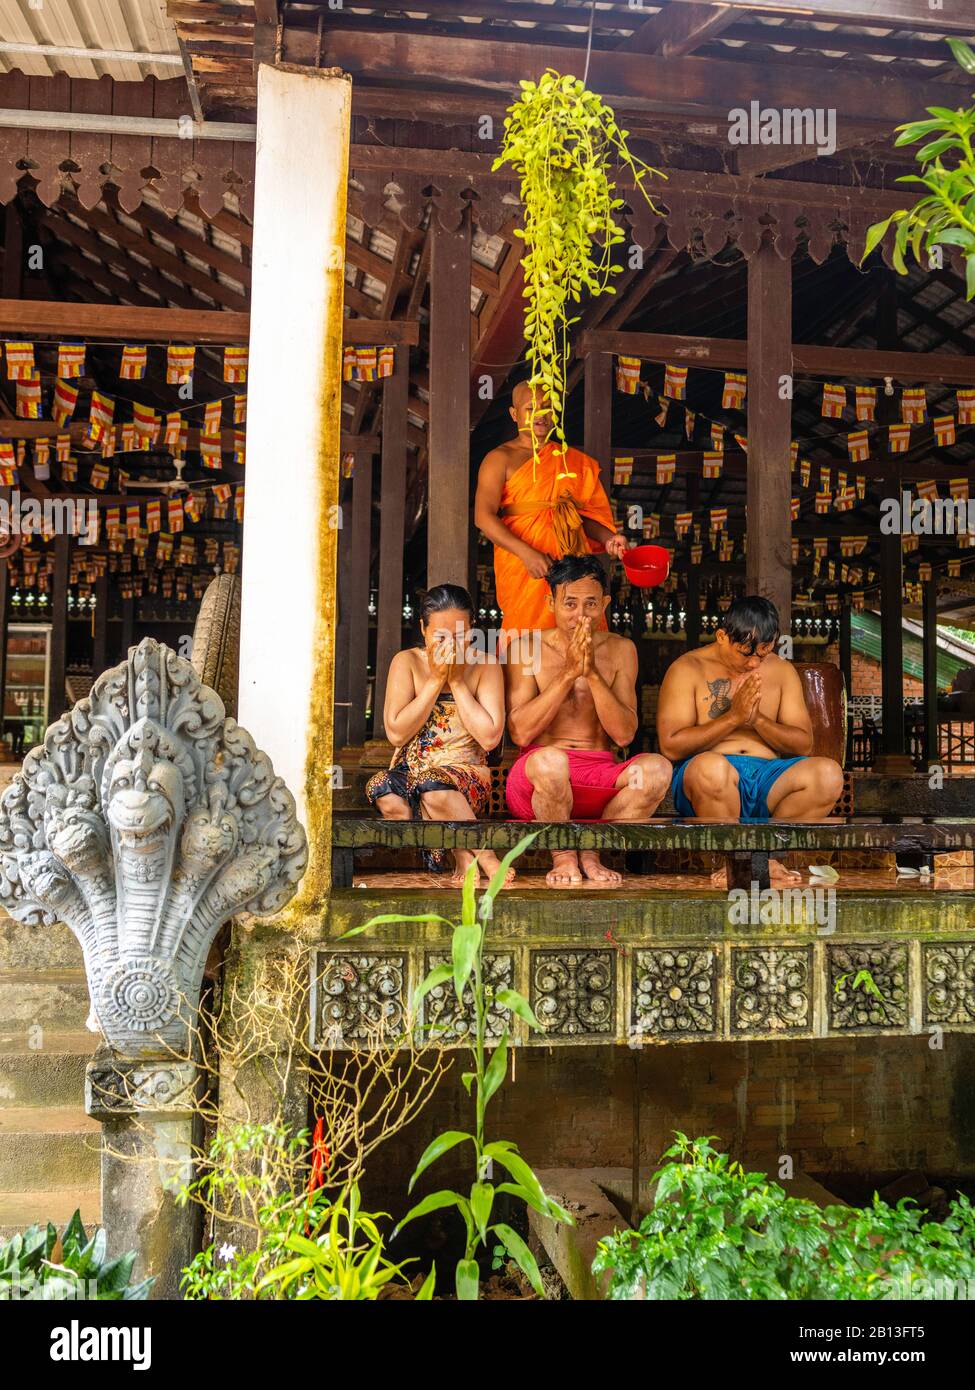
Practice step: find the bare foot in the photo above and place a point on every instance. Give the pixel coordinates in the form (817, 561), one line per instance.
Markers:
(778, 876)
(490, 863)
(564, 872)
(462, 862)
(597, 872)
(781, 877)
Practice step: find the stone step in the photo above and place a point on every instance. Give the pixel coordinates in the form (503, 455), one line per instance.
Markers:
(51, 1075)
(18, 1210)
(47, 1148)
(45, 998)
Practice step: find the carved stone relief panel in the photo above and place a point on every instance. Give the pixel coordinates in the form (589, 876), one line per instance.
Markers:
(771, 989)
(675, 992)
(573, 993)
(867, 985)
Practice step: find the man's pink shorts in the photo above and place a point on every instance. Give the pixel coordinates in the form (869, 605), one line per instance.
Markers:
(593, 775)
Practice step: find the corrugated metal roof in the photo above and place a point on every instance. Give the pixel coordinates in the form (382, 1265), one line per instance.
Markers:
(127, 26)
(865, 637)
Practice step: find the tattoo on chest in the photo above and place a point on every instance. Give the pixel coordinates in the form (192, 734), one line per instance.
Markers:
(720, 704)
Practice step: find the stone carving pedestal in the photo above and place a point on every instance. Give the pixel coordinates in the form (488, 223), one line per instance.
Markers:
(150, 1132)
(145, 821)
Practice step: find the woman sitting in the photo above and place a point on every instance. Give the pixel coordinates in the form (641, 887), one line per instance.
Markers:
(444, 711)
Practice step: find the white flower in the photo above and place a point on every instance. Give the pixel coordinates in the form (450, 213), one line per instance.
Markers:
(227, 1252)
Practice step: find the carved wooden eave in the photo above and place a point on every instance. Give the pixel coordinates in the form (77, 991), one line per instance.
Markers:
(86, 161)
(144, 821)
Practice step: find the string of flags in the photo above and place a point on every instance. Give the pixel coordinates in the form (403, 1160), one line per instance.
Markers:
(133, 361)
(367, 363)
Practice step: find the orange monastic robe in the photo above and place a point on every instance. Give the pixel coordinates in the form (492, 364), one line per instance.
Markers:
(544, 506)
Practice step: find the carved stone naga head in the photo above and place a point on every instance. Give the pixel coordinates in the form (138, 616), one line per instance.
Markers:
(144, 822)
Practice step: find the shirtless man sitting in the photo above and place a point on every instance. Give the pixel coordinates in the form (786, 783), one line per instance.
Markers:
(567, 708)
(733, 720)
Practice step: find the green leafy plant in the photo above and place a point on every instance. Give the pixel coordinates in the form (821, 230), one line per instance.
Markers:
(303, 1244)
(466, 971)
(945, 216)
(40, 1264)
(559, 137)
(862, 980)
(717, 1232)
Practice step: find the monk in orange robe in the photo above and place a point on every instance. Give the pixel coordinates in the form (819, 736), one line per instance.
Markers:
(538, 511)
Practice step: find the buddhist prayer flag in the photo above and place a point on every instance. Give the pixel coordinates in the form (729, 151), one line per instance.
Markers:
(820, 545)
(63, 444)
(235, 364)
(805, 469)
(719, 518)
(899, 438)
(386, 362)
(717, 437)
(128, 438)
(240, 409)
(965, 398)
(210, 453)
(180, 361)
(42, 460)
(825, 479)
(735, 388)
(910, 542)
(928, 490)
(6, 453)
(823, 499)
(866, 402)
(861, 486)
(65, 400)
(689, 421)
(675, 382)
(742, 442)
(954, 569)
(794, 452)
(914, 407)
(98, 476)
(348, 364)
(113, 522)
(858, 446)
(834, 400)
(959, 489)
(794, 509)
(924, 571)
(622, 472)
(154, 515)
(20, 361)
(661, 415)
(211, 419)
(239, 447)
(844, 499)
(239, 503)
(133, 521)
(651, 526)
(174, 513)
(726, 550)
(69, 470)
(29, 398)
(682, 523)
(174, 421)
(100, 415)
(713, 463)
(193, 506)
(666, 463)
(146, 422)
(133, 365)
(944, 430)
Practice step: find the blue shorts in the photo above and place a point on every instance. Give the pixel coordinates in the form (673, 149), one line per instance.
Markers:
(756, 777)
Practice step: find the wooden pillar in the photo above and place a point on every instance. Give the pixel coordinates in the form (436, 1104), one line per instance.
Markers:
(930, 648)
(846, 647)
(598, 439)
(287, 641)
(360, 554)
(392, 528)
(343, 626)
(449, 477)
(99, 655)
(768, 568)
(56, 699)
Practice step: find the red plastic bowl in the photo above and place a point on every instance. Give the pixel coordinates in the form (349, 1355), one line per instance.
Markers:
(646, 565)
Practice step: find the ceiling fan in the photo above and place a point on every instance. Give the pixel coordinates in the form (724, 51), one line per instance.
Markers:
(176, 484)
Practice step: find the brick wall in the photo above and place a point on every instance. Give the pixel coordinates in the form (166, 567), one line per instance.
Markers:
(845, 1106)
(866, 674)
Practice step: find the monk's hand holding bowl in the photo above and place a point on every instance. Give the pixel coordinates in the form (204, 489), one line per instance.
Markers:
(537, 564)
(616, 546)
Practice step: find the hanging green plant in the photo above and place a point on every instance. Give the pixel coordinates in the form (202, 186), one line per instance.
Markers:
(560, 139)
(946, 215)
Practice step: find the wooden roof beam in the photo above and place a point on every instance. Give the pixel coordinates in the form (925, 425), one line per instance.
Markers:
(680, 29)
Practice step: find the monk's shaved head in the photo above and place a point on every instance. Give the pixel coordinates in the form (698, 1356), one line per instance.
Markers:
(521, 395)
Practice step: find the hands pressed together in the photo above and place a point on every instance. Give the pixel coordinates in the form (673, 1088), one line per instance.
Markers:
(578, 653)
(746, 699)
(447, 659)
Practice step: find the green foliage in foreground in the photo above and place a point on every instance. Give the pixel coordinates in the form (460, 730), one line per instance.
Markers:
(466, 972)
(945, 214)
(717, 1232)
(40, 1264)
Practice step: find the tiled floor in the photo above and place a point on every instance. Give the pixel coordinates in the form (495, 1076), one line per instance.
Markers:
(948, 876)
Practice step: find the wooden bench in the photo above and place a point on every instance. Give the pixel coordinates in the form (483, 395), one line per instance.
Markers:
(748, 847)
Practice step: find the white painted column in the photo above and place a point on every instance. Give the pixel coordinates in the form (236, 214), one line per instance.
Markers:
(293, 434)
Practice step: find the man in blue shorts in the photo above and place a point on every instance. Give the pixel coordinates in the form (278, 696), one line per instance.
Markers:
(732, 719)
